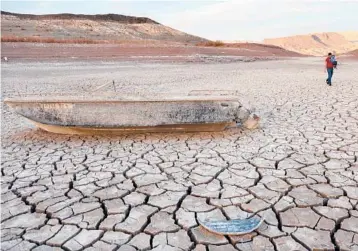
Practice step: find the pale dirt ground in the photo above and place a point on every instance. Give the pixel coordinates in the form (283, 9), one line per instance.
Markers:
(135, 51)
(147, 192)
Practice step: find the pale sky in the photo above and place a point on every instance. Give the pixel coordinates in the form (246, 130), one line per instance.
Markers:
(251, 20)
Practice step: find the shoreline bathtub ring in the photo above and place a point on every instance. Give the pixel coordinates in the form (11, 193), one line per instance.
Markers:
(130, 114)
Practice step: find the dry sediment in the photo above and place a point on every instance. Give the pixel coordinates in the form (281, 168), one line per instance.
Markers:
(146, 192)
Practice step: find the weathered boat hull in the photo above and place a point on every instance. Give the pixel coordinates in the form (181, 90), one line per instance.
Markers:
(81, 116)
(79, 130)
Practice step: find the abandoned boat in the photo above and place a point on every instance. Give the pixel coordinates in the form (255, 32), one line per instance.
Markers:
(110, 114)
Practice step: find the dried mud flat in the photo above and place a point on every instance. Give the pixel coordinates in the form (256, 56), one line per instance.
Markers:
(167, 51)
(147, 191)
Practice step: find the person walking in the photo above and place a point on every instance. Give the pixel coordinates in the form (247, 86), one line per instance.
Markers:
(329, 68)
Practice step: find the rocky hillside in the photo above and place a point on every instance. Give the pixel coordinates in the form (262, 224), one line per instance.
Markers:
(352, 53)
(94, 27)
(318, 44)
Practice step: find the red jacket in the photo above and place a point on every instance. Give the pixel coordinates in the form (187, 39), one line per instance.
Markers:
(328, 62)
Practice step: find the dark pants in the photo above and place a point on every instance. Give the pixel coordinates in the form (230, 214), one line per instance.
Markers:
(330, 74)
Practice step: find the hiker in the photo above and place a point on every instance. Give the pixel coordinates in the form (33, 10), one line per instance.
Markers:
(329, 68)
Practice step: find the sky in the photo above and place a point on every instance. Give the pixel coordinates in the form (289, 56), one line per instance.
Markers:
(244, 20)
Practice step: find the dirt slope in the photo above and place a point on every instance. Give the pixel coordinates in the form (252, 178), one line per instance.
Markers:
(96, 27)
(318, 44)
(116, 36)
(352, 54)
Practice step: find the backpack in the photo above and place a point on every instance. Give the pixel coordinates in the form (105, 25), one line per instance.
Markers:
(333, 61)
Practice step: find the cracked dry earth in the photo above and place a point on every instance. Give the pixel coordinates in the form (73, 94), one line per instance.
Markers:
(147, 191)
